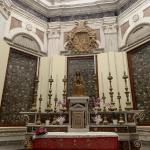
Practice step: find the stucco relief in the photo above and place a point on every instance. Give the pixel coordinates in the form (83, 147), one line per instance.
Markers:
(26, 41)
(81, 38)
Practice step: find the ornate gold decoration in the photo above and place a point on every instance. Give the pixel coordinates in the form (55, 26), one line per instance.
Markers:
(81, 38)
(49, 104)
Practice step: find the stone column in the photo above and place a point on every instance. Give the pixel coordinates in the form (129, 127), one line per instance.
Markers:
(110, 29)
(54, 43)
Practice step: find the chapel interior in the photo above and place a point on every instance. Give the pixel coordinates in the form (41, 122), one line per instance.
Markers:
(79, 70)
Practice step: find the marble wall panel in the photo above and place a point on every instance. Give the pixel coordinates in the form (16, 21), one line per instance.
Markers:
(18, 89)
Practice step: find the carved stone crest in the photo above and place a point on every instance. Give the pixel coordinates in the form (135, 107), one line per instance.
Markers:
(81, 38)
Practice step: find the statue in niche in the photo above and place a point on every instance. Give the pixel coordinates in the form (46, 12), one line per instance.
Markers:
(78, 85)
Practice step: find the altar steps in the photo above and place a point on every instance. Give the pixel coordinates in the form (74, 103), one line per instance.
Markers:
(12, 136)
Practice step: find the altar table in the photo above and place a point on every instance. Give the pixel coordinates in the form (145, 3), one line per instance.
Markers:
(76, 141)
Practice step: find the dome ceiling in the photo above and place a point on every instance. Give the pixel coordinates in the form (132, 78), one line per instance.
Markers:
(65, 2)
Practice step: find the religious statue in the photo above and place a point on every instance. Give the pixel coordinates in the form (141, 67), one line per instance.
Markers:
(78, 85)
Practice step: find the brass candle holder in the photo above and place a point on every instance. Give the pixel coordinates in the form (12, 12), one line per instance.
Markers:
(95, 80)
(38, 122)
(111, 93)
(65, 93)
(33, 108)
(49, 104)
(119, 98)
(104, 98)
(55, 106)
(128, 103)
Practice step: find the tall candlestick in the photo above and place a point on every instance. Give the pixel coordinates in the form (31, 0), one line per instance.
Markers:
(51, 65)
(117, 81)
(56, 83)
(123, 62)
(108, 62)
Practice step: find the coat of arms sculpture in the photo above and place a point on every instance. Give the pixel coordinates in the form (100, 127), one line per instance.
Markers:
(81, 39)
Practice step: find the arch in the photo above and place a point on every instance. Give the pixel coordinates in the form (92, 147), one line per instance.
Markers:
(26, 41)
(136, 33)
(13, 33)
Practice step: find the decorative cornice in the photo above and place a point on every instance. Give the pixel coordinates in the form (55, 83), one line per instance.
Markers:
(4, 9)
(98, 9)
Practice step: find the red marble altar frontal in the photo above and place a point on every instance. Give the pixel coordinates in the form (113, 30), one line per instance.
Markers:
(76, 142)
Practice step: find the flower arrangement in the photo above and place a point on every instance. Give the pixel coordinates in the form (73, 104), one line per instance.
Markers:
(60, 120)
(97, 119)
(40, 131)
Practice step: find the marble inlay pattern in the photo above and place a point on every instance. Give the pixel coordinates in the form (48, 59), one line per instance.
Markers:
(140, 66)
(18, 89)
(15, 23)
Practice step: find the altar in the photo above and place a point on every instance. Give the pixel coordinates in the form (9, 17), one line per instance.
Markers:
(76, 141)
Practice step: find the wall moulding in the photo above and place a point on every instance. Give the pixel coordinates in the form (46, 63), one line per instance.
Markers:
(25, 43)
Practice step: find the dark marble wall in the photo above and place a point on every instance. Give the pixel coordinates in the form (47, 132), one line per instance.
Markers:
(139, 62)
(18, 88)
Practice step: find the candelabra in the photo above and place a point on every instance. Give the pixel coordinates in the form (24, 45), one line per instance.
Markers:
(55, 106)
(49, 104)
(39, 111)
(104, 98)
(110, 78)
(128, 103)
(95, 80)
(119, 98)
(65, 93)
(33, 108)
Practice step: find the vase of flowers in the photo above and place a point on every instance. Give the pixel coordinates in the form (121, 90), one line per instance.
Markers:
(98, 119)
(61, 120)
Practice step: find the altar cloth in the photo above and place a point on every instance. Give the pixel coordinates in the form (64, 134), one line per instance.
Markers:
(76, 141)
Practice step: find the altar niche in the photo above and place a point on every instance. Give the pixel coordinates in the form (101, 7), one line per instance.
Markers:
(84, 65)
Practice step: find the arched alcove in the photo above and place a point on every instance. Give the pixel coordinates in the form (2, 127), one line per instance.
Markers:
(138, 33)
(26, 41)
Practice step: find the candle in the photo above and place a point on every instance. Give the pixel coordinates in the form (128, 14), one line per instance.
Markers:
(65, 67)
(94, 64)
(117, 81)
(123, 62)
(56, 83)
(51, 65)
(102, 82)
(108, 62)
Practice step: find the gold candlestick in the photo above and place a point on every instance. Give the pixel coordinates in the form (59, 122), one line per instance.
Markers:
(111, 93)
(55, 106)
(119, 98)
(65, 93)
(39, 111)
(33, 108)
(95, 79)
(128, 103)
(103, 98)
(49, 104)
